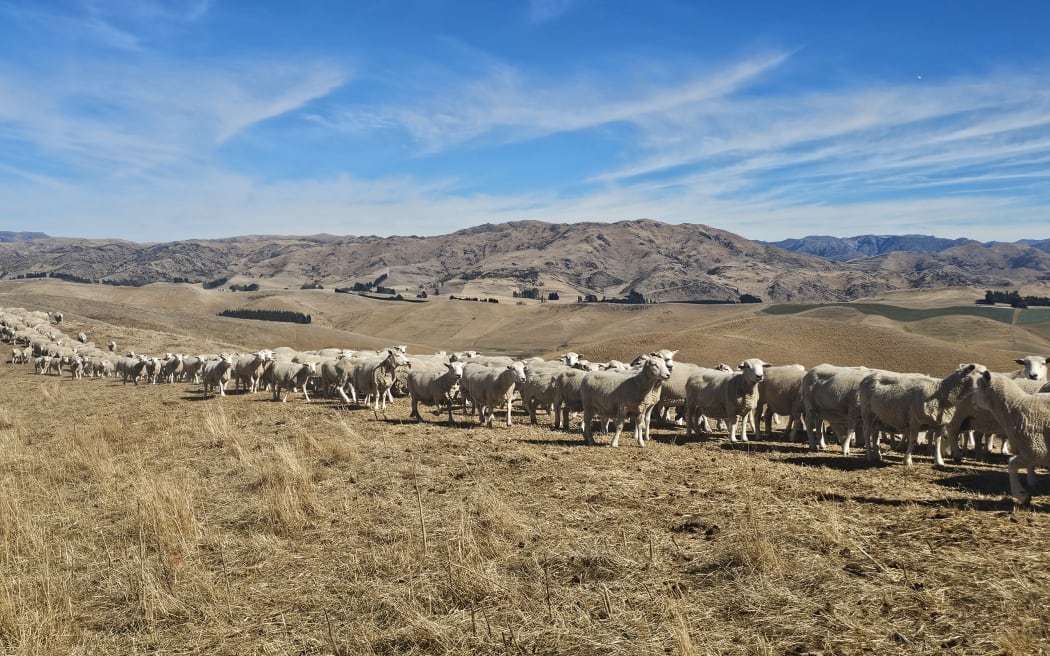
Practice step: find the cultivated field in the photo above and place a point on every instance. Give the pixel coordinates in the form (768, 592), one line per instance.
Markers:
(144, 520)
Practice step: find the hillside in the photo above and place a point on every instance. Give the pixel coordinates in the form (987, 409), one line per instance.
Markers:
(143, 518)
(663, 262)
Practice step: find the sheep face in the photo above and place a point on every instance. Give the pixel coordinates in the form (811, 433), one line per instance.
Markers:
(1034, 367)
(753, 368)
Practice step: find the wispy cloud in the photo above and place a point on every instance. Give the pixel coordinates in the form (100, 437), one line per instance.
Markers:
(152, 114)
(541, 11)
(506, 105)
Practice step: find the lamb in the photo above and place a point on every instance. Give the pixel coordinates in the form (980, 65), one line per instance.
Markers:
(908, 403)
(830, 394)
(216, 373)
(724, 395)
(434, 386)
(622, 396)
(1033, 367)
(486, 387)
(374, 376)
(1024, 417)
(780, 393)
(282, 374)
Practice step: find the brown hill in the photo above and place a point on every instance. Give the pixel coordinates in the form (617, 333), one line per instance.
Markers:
(660, 261)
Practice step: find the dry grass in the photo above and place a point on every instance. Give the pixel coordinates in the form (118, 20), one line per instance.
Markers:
(136, 519)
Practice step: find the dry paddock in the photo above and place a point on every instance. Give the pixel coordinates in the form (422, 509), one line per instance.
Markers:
(143, 520)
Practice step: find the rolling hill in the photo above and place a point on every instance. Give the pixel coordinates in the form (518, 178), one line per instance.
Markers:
(660, 261)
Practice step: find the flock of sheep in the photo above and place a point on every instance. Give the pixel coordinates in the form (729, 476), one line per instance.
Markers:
(847, 402)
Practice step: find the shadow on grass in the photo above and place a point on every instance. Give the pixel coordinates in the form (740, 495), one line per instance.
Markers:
(1000, 504)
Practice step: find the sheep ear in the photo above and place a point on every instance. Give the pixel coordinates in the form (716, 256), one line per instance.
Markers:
(987, 375)
(741, 365)
(766, 365)
(967, 368)
(1019, 361)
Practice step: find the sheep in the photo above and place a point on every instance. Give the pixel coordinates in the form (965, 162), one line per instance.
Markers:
(908, 403)
(81, 337)
(191, 368)
(724, 395)
(488, 360)
(336, 374)
(970, 418)
(17, 356)
(54, 366)
(622, 396)
(567, 395)
(1024, 417)
(780, 393)
(248, 370)
(486, 387)
(374, 376)
(288, 376)
(112, 346)
(171, 367)
(672, 390)
(434, 386)
(216, 373)
(76, 367)
(830, 394)
(1033, 367)
(540, 386)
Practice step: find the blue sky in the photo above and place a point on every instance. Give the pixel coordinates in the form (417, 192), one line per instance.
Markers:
(158, 120)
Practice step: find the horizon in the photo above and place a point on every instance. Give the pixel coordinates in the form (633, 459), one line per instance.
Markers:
(174, 120)
(391, 236)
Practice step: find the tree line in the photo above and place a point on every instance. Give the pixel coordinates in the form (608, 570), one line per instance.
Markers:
(268, 315)
(1013, 299)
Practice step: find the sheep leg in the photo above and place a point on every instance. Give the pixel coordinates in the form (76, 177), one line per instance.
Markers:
(619, 429)
(1016, 489)
(913, 438)
(588, 434)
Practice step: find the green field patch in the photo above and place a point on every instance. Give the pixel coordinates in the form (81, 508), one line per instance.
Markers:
(1033, 315)
(896, 313)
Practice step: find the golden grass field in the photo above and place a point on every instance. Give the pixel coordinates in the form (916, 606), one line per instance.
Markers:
(140, 519)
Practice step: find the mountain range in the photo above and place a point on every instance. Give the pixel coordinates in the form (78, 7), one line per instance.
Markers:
(660, 261)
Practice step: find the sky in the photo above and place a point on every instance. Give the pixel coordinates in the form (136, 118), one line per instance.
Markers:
(162, 120)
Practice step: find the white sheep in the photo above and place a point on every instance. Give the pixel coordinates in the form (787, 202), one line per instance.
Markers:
(620, 396)
(373, 376)
(830, 394)
(216, 373)
(248, 370)
(286, 375)
(724, 395)
(1024, 417)
(434, 386)
(540, 386)
(487, 387)
(780, 393)
(970, 419)
(908, 403)
(1033, 367)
